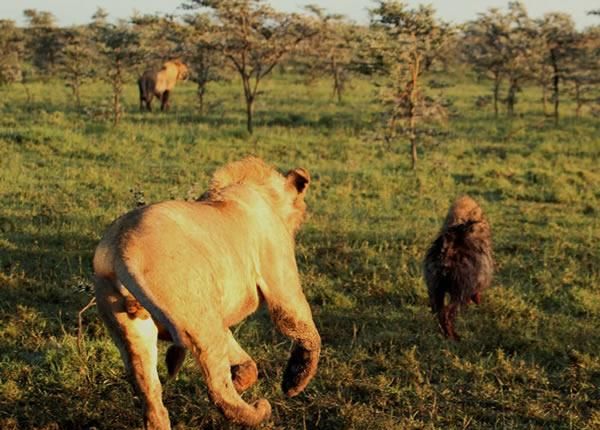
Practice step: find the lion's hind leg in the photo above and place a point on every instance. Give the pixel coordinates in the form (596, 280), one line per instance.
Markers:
(135, 334)
(211, 348)
(243, 369)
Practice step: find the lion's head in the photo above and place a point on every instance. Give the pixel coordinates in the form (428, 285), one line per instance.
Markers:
(180, 69)
(284, 192)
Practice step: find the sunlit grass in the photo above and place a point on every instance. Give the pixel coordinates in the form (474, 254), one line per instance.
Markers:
(530, 354)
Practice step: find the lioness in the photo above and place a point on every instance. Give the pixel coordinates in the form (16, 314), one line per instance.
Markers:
(187, 271)
(160, 83)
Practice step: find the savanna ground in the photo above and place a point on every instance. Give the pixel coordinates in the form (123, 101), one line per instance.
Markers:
(529, 357)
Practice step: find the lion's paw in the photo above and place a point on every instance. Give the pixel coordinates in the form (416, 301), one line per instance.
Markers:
(244, 375)
(263, 407)
(298, 372)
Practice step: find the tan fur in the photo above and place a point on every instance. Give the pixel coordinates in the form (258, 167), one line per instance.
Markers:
(167, 77)
(160, 83)
(198, 268)
(462, 210)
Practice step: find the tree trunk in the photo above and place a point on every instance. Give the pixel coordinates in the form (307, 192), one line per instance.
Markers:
(249, 114)
(117, 89)
(555, 84)
(337, 83)
(28, 94)
(412, 118)
(200, 93)
(496, 93)
(76, 94)
(578, 102)
(544, 98)
(116, 107)
(511, 98)
(413, 150)
(250, 97)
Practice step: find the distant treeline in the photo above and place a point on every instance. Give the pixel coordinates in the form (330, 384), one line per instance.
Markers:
(249, 38)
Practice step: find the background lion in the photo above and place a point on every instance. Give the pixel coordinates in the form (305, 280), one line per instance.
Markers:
(459, 262)
(159, 83)
(187, 271)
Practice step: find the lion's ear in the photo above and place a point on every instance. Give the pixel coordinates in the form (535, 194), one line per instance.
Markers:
(299, 179)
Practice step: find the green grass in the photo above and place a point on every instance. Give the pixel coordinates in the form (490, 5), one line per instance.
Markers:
(530, 355)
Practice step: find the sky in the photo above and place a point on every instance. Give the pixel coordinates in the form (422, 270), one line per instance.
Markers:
(79, 11)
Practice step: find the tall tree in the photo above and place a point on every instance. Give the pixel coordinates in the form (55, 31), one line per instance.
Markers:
(333, 50)
(559, 37)
(11, 52)
(582, 70)
(43, 41)
(523, 52)
(76, 59)
(254, 38)
(414, 39)
(161, 36)
(507, 46)
(120, 51)
(484, 48)
(202, 54)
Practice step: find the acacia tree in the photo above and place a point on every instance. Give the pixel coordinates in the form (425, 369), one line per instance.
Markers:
(484, 48)
(120, 51)
(523, 52)
(11, 52)
(504, 47)
(333, 49)
(202, 53)
(582, 71)
(413, 39)
(558, 36)
(161, 37)
(76, 59)
(43, 41)
(254, 38)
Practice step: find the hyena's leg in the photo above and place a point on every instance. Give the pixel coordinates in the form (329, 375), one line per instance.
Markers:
(136, 338)
(243, 369)
(210, 347)
(446, 317)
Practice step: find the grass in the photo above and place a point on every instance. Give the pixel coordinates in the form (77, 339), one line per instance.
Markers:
(530, 355)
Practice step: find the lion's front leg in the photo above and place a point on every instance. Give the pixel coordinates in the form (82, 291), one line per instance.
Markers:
(291, 314)
(302, 365)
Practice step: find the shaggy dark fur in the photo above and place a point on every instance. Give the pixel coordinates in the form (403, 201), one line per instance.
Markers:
(459, 263)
